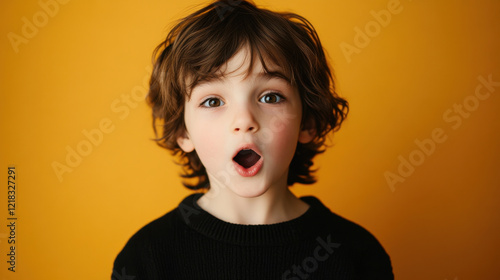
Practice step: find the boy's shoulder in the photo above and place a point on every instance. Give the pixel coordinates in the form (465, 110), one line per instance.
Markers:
(343, 228)
(158, 229)
(140, 248)
(359, 243)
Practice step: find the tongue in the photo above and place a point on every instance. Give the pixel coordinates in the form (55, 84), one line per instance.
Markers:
(246, 158)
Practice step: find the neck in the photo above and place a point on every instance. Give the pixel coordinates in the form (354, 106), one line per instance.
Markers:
(274, 206)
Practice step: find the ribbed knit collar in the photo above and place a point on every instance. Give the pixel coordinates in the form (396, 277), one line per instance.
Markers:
(306, 225)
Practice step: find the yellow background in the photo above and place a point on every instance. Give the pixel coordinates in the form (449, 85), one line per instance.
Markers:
(83, 62)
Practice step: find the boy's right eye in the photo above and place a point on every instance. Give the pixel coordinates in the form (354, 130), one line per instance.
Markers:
(212, 102)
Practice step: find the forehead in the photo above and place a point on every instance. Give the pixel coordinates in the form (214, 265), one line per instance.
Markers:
(241, 64)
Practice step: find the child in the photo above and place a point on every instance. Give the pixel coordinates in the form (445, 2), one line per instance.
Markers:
(246, 99)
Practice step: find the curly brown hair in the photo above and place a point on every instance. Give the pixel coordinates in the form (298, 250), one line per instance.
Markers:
(199, 44)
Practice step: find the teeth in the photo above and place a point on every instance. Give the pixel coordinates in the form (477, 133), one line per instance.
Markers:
(246, 158)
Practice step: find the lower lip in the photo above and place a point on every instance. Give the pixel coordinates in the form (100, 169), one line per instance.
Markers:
(251, 171)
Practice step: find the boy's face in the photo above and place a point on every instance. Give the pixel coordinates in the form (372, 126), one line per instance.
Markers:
(244, 128)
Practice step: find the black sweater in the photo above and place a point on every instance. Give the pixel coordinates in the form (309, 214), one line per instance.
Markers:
(189, 243)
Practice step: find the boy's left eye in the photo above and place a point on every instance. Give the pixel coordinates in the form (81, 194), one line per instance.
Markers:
(272, 98)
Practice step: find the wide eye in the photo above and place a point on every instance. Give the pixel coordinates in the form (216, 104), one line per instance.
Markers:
(272, 97)
(212, 102)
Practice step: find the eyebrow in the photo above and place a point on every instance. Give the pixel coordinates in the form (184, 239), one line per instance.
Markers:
(273, 75)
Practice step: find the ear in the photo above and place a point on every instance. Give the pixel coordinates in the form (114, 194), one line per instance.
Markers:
(185, 143)
(307, 132)
(306, 135)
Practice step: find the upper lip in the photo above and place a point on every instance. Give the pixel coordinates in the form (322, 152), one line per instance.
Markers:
(248, 146)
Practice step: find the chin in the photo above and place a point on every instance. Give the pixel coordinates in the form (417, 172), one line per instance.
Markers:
(249, 190)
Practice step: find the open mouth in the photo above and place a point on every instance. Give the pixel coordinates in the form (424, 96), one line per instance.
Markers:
(247, 158)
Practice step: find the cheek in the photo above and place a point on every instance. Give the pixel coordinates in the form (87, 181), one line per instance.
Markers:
(284, 142)
(203, 138)
(208, 142)
(285, 119)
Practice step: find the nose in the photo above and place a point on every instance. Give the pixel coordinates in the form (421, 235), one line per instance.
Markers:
(244, 121)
